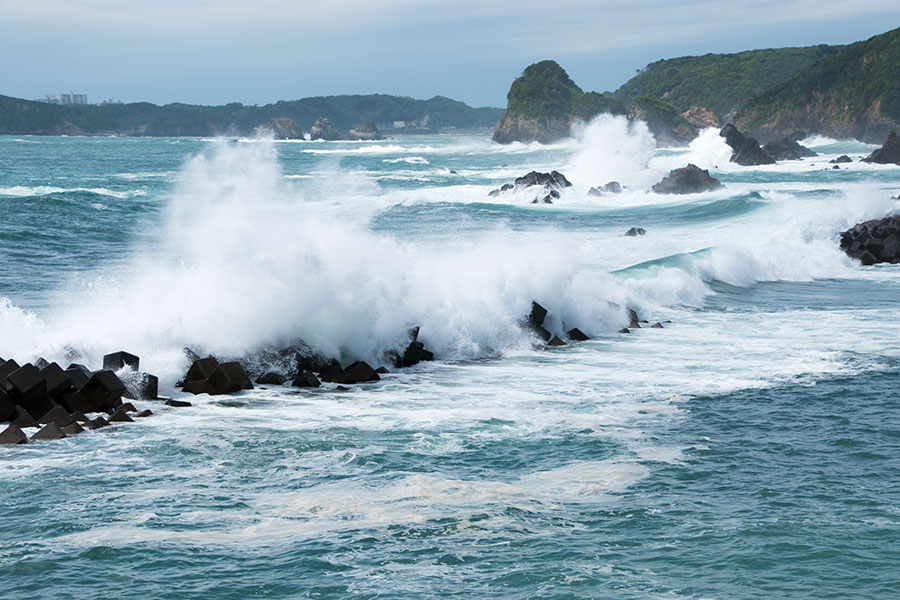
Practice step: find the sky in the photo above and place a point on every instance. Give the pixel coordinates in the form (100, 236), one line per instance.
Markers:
(220, 51)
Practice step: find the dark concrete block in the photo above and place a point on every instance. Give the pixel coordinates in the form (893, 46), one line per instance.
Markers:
(51, 431)
(144, 413)
(23, 419)
(427, 355)
(555, 341)
(70, 402)
(201, 369)
(79, 417)
(97, 423)
(5, 369)
(120, 359)
(382, 371)
(360, 372)
(103, 391)
(78, 375)
(120, 416)
(229, 377)
(7, 407)
(305, 379)
(412, 355)
(271, 378)
(73, 428)
(36, 401)
(656, 326)
(127, 407)
(624, 330)
(24, 379)
(537, 315)
(577, 335)
(336, 374)
(40, 363)
(148, 388)
(178, 403)
(13, 435)
(58, 383)
(57, 415)
(196, 387)
(543, 333)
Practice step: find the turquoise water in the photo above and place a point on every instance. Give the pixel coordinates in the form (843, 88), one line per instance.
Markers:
(750, 449)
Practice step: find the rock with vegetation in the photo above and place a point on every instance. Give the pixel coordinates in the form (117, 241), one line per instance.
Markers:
(722, 83)
(889, 153)
(542, 104)
(700, 117)
(788, 148)
(322, 129)
(852, 92)
(283, 128)
(687, 180)
(366, 131)
(668, 126)
(745, 151)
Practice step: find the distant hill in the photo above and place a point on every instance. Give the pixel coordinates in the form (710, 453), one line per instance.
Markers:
(721, 83)
(852, 92)
(23, 117)
(543, 102)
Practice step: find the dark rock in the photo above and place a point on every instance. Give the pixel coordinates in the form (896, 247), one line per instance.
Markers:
(178, 403)
(57, 415)
(337, 374)
(746, 151)
(97, 423)
(51, 431)
(361, 372)
(144, 413)
(889, 153)
(120, 416)
(687, 180)
(548, 186)
(843, 158)
(121, 359)
(271, 378)
(305, 379)
(836, 167)
(13, 435)
(427, 355)
(382, 371)
(577, 335)
(229, 377)
(656, 326)
(73, 429)
(787, 149)
(103, 391)
(613, 187)
(635, 231)
(282, 128)
(555, 341)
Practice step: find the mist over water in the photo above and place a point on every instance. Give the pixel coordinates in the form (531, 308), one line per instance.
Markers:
(755, 426)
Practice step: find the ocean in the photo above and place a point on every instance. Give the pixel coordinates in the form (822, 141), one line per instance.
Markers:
(749, 448)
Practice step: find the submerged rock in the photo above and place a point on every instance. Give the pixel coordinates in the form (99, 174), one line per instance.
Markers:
(889, 153)
(687, 180)
(635, 231)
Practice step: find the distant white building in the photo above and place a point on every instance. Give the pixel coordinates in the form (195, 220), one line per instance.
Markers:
(399, 124)
(69, 98)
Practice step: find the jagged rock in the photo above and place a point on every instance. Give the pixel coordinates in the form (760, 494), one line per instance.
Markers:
(843, 158)
(613, 187)
(336, 374)
(787, 149)
(13, 435)
(366, 131)
(548, 186)
(635, 231)
(271, 378)
(322, 129)
(687, 180)
(51, 431)
(746, 151)
(889, 153)
(876, 241)
(577, 335)
(282, 128)
(121, 359)
(305, 379)
(700, 117)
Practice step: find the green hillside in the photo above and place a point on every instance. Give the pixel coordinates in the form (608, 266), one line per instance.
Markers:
(721, 83)
(852, 92)
(21, 117)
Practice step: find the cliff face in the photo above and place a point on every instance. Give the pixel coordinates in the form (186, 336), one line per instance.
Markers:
(322, 129)
(366, 131)
(853, 92)
(542, 104)
(668, 127)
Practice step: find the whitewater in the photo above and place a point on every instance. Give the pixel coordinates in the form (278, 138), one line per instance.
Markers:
(748, 448)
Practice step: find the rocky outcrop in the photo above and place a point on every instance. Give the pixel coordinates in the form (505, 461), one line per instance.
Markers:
(687, 180)
(745, 151)
(322, 129)
(612, 187)
(545, 187)
(876, 241)
(667, 125)
(889, 153)
(635, 231)
(843, 158)
(366, 131)
(700, 117)
(519, 128)
(282, 128)
(787, 148)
